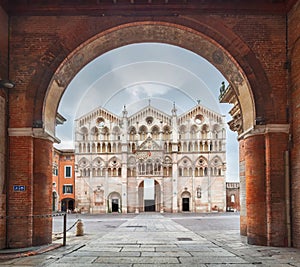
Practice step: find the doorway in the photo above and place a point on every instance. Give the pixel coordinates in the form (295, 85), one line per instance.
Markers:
(149, 204)
(185, 204)
(185, 201)
(115, 205)
(114, 202)
(149, 194)
(67, 205)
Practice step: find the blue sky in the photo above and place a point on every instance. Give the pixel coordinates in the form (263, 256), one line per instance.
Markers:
(133, 74)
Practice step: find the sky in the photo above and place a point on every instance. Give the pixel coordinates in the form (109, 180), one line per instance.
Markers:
(133, 74)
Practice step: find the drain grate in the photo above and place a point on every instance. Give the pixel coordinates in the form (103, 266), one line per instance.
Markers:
(110, 226)
(184, 239)
(134, 226)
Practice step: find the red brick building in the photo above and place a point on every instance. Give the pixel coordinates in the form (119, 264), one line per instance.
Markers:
(63, 184)
(232, 196)
(254, 44)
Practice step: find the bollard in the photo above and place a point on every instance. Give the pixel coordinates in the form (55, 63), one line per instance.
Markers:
(79, 228)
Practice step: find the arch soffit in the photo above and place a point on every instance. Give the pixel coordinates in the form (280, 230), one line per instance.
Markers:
(148, 32)
(114, 194)
(185, 194)
(156, 183)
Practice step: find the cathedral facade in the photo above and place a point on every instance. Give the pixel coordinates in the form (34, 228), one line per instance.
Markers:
(150, 161)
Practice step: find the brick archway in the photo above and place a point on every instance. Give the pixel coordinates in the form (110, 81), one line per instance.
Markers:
(251, 88)
(160, 32)
(56, 68)
(201, 41)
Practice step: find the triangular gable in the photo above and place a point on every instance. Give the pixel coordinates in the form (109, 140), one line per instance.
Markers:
(149, 144)
(149, 110)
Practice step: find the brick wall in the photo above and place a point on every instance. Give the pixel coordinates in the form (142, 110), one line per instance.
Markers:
(3, 126)
(294, 53)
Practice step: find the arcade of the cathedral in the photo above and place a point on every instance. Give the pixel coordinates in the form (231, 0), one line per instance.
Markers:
(150, 161)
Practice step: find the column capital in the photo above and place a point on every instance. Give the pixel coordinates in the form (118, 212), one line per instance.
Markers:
(33, 132)
(264, 129)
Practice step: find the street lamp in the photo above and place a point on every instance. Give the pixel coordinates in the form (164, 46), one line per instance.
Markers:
(6, 84)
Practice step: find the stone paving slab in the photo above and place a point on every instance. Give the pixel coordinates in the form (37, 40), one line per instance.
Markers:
(88, 265)
(77, 259)
(154, 240)
(166, 254)
(193, 261)
(85, 254)
(134, 260)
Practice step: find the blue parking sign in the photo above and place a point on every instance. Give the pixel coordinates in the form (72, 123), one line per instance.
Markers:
(22, 187)
(19, 188)
(16, 188)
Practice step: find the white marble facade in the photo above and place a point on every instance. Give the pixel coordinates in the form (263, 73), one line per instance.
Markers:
(150, 161)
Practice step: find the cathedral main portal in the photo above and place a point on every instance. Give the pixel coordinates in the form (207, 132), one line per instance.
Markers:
(149, 196)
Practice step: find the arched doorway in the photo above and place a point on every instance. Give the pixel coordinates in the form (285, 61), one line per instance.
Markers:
(149, 195)
(185, 201)
(114, 202)
(67, 204)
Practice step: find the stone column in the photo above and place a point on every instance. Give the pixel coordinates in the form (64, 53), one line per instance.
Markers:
(91, 187)
(124, 178)
(162, 200)
(137, 204)
(209, 174)
(174, 183)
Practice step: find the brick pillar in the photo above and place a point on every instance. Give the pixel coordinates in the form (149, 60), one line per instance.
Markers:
(3, 172)
(20, 203)
(29, 188)
(255, 189)
(295, 111)
(3, 123)
(276, 147)
(243, 209)
(42, 192)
